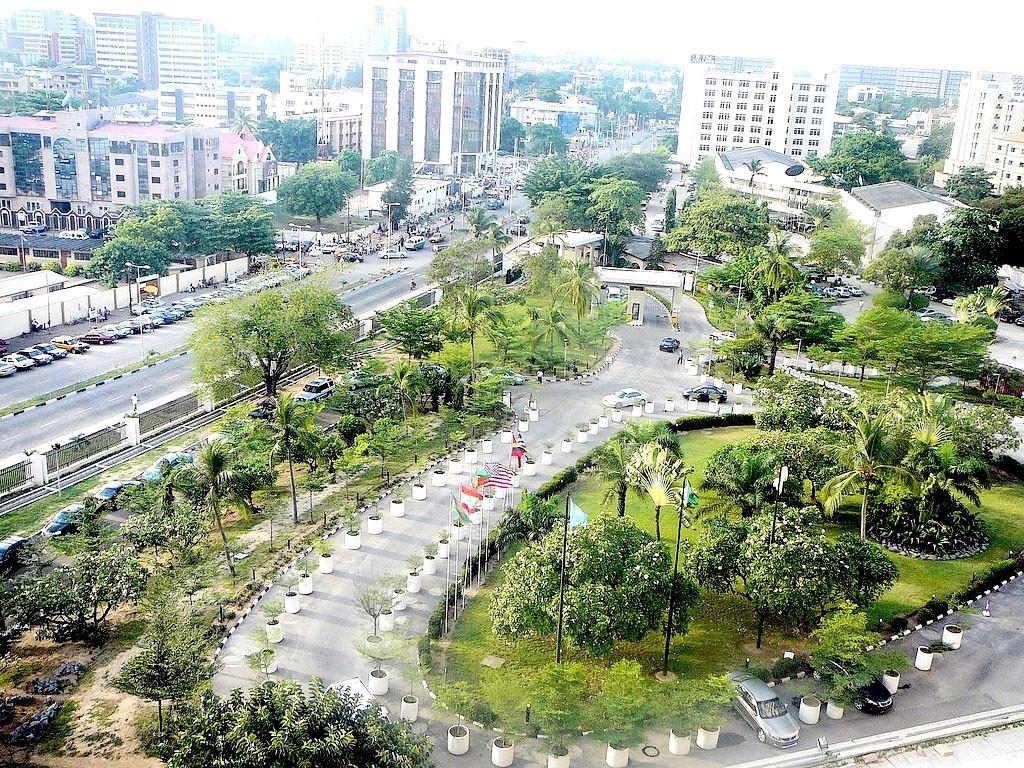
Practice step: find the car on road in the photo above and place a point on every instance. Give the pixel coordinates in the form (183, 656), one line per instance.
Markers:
(927, 315)
(668, 344)
(415, 243)
(351, 257)
(96, 336)
(33, 229)
(873, 698)
(705, 393)
(722, 336)
(7, 369)
(388, 255)
(116, 330)
(9, 552)
(70, 343)
(167, 315)
(624, 398)
(764, 711)
(19, 361)
(64, 521)
(316, 390)
(509, 377)
(51, 349)
(169, 460)
(437, 237)
(40, 358)
(855, 291)
(494, 204)
(658, 225)
(106, 497)
(1019, 321)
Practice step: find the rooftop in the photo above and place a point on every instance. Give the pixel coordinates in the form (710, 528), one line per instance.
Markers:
(737, 158)
(895, 194)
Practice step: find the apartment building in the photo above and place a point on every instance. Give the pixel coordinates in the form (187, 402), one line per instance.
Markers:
(37, 35)
(73, 79)
(340, 130)
(300, 95)
(71, 170)
(442, 111)
(904, 81)
(569, 116)
(789, 111)
(157, 48)
(212, 105)
(247, 164)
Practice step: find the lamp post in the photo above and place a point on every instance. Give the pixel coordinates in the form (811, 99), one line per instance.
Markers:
(138, 292)
(565, 358)
(799, 343)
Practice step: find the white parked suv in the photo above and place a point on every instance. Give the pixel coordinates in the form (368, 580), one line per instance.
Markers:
(318, 389)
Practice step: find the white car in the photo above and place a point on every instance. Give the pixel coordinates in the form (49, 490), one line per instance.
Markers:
(624, 398)
(7, 369)
(722, 336)
(116, 331)
(387, 255)
(21, 362)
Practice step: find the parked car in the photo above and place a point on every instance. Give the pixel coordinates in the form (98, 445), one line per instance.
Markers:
(764, 711)
(147, 305)
(437, 237)
(722, 336)
(171, 460)
(351, 257)
(7, 369)
(106, 497)
(18, 360)
(494, 204)
(40, 358)
(115, 330)
(51, 349)
(96, 336)
(927, 315)
(658, 225)
(33, 229)
(873, 698)
(624, 398)
(9, 552)
(1019, 321)
(166, 315)
(415, 243)
(668, 344)
(316, 390)
(64, 521)
(705, 393)
(70, 343)
(264, 409)
(388, 255)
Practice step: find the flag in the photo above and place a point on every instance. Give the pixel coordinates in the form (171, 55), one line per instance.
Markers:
(481, 476)
(576, 515)
(690, 499)
(469, 496)
(518, 445)
(499, 476)
(457, 513)
(497, 469)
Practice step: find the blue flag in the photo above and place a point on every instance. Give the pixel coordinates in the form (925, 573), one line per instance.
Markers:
(576, 515)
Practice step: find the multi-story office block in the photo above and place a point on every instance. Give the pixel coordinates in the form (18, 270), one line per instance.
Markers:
(157, 48)
(904, 81)
(46, 35)
(210, 106)
(991, 105)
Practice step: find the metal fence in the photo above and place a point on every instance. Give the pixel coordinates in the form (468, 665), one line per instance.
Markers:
(81, 447)
(14, 477)
(168, 412)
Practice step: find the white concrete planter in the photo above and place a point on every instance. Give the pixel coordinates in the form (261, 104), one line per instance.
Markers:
(458, 740)
(412, 582)
(460, 532)
(410, 709)
(567, 446)
(558, 761)
(529, 468)
(291, 602)
(454, 466)
(678, 743)
(503, 752)
(952, 635)
(377, 682)
(419, 491)
(616, 758)
(712, 407)
(386, 621)
(305, 584)
(506, 436)
(524, 425)
(834, 711)
(429, 565)
(275, 633)
(442, 550)
(602, 422)
(475, 516)
(469, 457)
(649, 407)
(375, 524)
(499, 493)
(891, 680)
(593, 428)
(582, 435)
(810, 710)
(487, 446)
(272, 665)
(737, 388)
(397, 508)
(924, 658)
(638, 411)
(438, 478)
(547, 457)
(398, 599)
(488, 503)
(326, 564)
(517, 480)
(353, 540)
(692, 405)
(708, 739)
(703, 378)
(534, 414)
(617, 416)
(737, 407)
(670, 405)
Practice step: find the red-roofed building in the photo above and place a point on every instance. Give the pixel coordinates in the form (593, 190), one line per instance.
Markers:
(247, 164)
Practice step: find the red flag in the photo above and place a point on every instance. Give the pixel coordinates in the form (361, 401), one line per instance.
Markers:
(471, 492)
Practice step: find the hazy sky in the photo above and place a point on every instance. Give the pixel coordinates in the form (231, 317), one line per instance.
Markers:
(984, 34)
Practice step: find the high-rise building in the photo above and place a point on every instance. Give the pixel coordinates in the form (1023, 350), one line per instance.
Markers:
(45, 35)
(441, 111)
(904, 81)
(212, 105)
(785, 110)
(991, 107)
(76, 169)
(157, 48)
(389, 31)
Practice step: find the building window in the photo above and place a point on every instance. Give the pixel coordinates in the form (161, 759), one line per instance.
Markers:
(756, 118)
(154, 163)
(726, 94)
(725, 105)
(819, 99)
(801, 98)
(812, 142)
(705, 137)
(741, 107)
(709, 103)
(705, 126)
(758, 96)
(804, 87)
(815, 121)
(798, 131)
(798, 142)
(708, 115)
(820, 88)
(723, 127)
(154, 180)
(797, 152)
(119, 177)
(814, 132)
(761, 84)
(120, 194)
(800, 120)
(741, 118)
(743, 95)
(744, 83)
(704, 148)
(801, 110)
(817, 110)
(709, 91)
(118, 161)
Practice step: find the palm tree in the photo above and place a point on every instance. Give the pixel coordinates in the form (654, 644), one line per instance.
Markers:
(746, 484)
(756, 169)
(551, 326)
(498, 238)
(478, 221)
(472, 307)
(243, 121)
(993, 299)
(290, 422)
(579, 289)
(612, 463)
(211, 472)
(774, 329)
(404, 379)
(921, 267)
(775, 268)
(819, 214)
(661, 476)
(875, 451)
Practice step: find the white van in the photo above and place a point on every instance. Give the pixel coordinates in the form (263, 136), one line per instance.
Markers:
(74, 234)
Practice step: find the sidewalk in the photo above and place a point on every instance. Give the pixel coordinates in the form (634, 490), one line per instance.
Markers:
(996, 749)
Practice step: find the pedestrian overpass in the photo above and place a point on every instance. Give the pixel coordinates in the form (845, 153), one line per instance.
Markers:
(652, 281)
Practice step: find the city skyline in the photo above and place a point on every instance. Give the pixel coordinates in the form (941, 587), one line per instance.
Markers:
(878, 33)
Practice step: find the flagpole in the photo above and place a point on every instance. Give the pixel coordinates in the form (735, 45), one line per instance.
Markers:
(672, 586)
(448, 566)
(458, 538)
(469, 565)
(487, 527)
(561, 584)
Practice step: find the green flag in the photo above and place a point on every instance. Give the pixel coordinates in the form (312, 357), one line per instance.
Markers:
(690, 499)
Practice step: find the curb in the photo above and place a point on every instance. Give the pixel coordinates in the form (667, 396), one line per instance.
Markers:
(93, 386)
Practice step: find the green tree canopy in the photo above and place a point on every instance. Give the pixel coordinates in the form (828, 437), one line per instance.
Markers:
(293, 140)
(382, 167)
(938, 142)
(971, 250)
(922, 351)
(108, 262)
(970, 185)
(318, 189)
(719, 224)
(350, 160)
(646, 169)
(838, 246)
(398, 196)
(1008, 210)
(416, 330)
(556, 174)
(544, 139)
(861, 159)
(513, 135)
(616, 206)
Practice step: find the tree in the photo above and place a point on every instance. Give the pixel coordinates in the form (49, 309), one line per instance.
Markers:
(862, 159)
(617, 581)
(756, 168)
(382, 167)
(775, 268)
(465, 263)
(938, 142)
(558, 694)
(477, 221)
(579, 288)
(865, 341)
(416, 330)
(623, 710)
(169, 665)
(211, 475)
(971, 250)
(838, 248)
(513, 135)
(970, 185)
(656, 253)
(556, 174)
(797, 315)
(398, 195)
(318, 189)
(660, 475)
(293, 140)
(793, 405)
(705, 177)
(108, 261)
(258, 339)
(472, 307)
(646, 169)
(904, 271)
(719, 224)
(923, 351)
(544, 139)
(280, 725)
(616, 206)
(351, 161)
(613, 462)
(499, 240)
(290, 423)
(873, 452)
(243, 121)
(670, 209)
(743, 479)
(1008, 210)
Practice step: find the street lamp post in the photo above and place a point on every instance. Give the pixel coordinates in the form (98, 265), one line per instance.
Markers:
(799, 343)
(138, 292)
(56, 455)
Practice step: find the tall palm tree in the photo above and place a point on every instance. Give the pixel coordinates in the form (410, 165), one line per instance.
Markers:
(874, 452)
(478, 220)
(756, 168)
(472, 307)
(290, 422)
(404, 379)
(211, 473)
(774, 329)
(579, 288)
(661, 476)
(746, 484)
(612, 464)
(551, 326)
(775, 267)
(498, 239)
(819, 214)
(243, 122)
(921, 267)
(967, 309)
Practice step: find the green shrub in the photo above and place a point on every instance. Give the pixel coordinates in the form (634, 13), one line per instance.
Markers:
(761, 673)
(790, 667)
(709, 421)
(423, 648)
(481, 712)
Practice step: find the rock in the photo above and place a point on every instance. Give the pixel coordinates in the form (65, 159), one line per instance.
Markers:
(32, 729)
(45, 685)
(68, 669)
